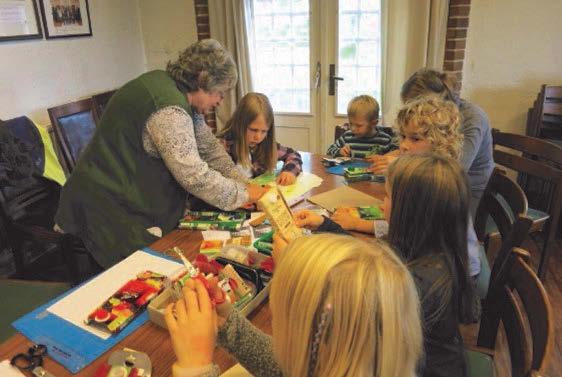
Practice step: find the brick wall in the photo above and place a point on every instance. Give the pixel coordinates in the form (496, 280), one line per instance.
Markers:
(455, 44)
(203, 32)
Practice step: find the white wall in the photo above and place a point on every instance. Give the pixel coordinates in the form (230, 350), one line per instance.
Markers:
(38, 74)
(168, 27)
(513, 47)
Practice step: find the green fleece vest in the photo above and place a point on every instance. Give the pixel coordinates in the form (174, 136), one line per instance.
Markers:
(117, 190)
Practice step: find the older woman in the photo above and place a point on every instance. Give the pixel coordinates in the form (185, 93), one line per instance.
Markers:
(151, 150)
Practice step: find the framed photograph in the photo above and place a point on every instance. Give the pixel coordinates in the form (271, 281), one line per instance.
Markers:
(19, 19)
(66, 18)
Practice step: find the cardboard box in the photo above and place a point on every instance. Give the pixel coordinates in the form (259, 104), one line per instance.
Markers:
(158, 305)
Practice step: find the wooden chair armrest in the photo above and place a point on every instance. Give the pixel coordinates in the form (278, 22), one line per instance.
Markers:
(524, 254)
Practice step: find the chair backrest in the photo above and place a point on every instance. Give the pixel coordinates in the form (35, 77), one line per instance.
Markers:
(340, 130)
(74, 125)
(539, 158)
(501, 202)
(550, 112)
(519, 300)
(100, 102)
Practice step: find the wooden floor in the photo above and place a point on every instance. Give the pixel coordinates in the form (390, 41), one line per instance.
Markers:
(553, 285)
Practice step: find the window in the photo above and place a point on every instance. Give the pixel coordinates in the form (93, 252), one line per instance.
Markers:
(281, 53)
(359, 50)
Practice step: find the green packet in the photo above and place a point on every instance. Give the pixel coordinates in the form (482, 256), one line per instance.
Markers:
(264, 244)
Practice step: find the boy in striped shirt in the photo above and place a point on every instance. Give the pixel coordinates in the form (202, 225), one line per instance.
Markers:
(363, 138)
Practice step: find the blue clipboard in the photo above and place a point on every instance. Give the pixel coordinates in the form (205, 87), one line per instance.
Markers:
(71, 346)
(338, 169)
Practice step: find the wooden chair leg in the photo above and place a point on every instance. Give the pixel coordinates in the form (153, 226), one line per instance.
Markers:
(545, 254)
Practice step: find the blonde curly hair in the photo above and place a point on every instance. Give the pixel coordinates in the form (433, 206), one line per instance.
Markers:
(437, 120)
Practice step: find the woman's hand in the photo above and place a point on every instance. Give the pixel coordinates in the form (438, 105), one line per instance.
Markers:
(308, 219)
(380, 163)
(255, 192)
(192, 323)
(286, 178)
(279, 246)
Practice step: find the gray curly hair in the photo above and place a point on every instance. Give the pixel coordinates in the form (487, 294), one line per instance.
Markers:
(205, 65)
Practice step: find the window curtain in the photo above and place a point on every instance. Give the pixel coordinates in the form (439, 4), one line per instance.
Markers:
(227, 21)
(413, 37)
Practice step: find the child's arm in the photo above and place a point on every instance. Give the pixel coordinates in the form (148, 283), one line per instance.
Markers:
(334, 149)
(292, 161)
(251, 347)
(349, 222)
(292, 164)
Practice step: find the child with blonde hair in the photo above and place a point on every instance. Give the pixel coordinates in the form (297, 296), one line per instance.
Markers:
(249, 139)
(426, 124)
(339, 307)
(426, 206)
(363, 138)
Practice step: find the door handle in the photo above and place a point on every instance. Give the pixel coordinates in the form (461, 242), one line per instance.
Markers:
(333, 78)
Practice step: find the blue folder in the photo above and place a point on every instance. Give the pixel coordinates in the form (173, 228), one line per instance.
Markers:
(69, 345)
(338, 169)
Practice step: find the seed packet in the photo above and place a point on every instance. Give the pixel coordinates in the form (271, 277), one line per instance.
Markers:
(128, 302)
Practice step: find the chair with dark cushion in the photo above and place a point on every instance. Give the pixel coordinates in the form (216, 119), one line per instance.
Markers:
(502, 214)
(75, 125)
(28, 203)
(543, 160)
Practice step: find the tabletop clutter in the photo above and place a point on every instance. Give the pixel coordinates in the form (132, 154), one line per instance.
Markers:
(236, 250)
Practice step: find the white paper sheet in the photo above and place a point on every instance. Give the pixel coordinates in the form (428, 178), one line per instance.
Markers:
(75, 307)
(222, 235)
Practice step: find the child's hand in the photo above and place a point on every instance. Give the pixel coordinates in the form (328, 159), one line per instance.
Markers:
(286, 178)
(345, 151)
(279, 246)
(308, 219)
(343, 217)
(380, 163)
(192, 323)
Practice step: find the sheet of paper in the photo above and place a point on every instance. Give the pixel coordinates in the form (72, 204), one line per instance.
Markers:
(75, 307)
(7, 370)
(343, 196)
(304, 183)
(222, 235)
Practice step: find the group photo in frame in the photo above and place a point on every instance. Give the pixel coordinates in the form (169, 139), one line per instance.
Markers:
(66, 18)
(19, 20)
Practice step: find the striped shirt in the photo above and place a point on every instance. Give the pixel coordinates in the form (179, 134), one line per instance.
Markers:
(380, 143)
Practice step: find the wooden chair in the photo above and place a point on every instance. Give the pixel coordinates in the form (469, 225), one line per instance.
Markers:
(502, 213)
(517, 299)
(100, 102)
(544, 119)
(539, 159)
(340, 130)
(74, 125)
(550, 113)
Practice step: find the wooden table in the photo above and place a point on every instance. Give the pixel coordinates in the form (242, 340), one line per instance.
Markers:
(154, 340)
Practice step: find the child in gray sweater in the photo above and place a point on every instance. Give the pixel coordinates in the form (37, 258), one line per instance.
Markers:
(323, 322)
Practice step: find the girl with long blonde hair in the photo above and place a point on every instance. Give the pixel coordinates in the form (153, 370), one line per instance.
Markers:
(249, 138)
(339, 307)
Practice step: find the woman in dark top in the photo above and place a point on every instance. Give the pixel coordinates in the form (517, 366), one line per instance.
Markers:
(426, 205)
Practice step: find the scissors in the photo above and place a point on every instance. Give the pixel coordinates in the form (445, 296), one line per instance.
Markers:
(32, 361)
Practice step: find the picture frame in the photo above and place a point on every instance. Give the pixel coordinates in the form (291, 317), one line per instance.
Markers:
(66, 18)
(19, 20)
